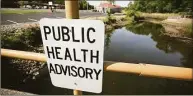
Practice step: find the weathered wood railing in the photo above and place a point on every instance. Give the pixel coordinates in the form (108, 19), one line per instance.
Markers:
(141, 69)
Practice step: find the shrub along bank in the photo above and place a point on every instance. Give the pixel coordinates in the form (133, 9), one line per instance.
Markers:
(166, 12)
(15, 71)
(174, 24)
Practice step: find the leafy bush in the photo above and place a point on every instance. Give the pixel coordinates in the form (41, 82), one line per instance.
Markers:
(109, 19)
(21, 39)
(162, 6)
(25, 39)
(132, 16)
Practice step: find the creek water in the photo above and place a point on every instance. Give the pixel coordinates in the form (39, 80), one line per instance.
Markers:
(142, 43)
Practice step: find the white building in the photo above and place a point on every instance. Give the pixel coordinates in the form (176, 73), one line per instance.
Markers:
(106, 5)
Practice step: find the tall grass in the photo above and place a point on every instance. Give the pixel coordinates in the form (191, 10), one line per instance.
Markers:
(188, 30)
(159, 16)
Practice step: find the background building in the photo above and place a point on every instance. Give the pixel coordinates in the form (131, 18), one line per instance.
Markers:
(107, 5)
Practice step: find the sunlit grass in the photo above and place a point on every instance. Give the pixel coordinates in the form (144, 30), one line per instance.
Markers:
(160, 16)
(188, 30)
(183, 25)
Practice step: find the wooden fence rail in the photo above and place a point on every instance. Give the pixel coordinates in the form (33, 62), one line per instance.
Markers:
(141, 69)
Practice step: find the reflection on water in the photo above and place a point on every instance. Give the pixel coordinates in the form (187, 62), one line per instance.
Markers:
(144, 43)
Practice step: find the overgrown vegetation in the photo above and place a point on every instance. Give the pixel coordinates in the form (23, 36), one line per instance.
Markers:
(28, 39)
(158, 9)
(113, 22)
(165, 12)
(109, 19)
(133, 16)
(188, 30)
(163, 6)
(83, 4)
(159, 16)
(24, 39)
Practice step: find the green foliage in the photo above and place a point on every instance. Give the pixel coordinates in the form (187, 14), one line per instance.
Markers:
(109, 19)
(109, 14)
(188, 31)
(83, 5)
(59, 1)
(132, 16)
(162, 6)
(159, 16)
(21, 39)
(24, 39)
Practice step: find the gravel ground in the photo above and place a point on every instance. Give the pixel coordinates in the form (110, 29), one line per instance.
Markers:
(12, 27)
(13, 92)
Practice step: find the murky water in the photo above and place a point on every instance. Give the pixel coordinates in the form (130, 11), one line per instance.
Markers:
(142, 43)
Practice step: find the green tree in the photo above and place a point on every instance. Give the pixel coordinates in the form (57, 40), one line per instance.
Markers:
(162, 6)
(59, 1)
(83, 4)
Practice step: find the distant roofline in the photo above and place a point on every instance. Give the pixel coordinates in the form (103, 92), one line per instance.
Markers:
(111, 5)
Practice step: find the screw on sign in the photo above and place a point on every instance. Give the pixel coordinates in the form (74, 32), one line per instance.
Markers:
(74, 49)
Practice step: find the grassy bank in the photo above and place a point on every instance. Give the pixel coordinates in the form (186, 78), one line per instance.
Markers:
(174, 25)
(159, 16)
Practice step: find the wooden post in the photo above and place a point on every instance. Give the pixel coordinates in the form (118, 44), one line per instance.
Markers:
(72, 9)
(72, 12)
(77, 92)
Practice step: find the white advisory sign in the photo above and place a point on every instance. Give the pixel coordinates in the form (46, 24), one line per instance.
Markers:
(74, 49)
